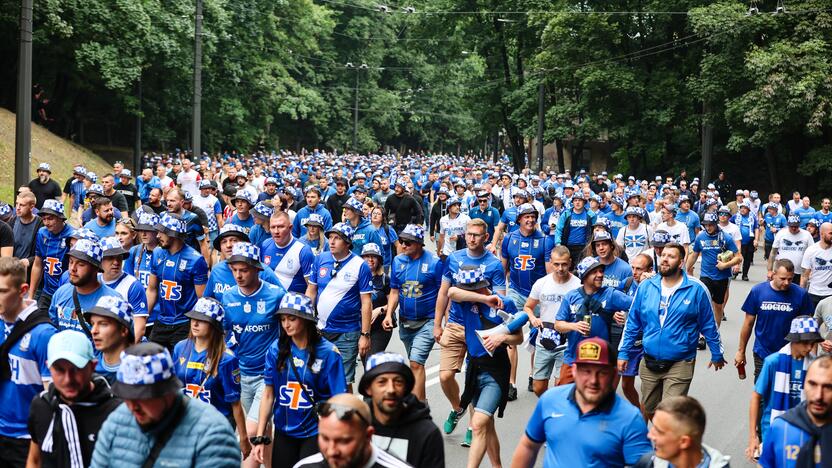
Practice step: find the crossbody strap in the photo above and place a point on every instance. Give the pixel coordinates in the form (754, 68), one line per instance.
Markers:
(79, 314)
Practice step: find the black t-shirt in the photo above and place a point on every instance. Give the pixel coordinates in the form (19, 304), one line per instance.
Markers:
(6, 235)
(43, 192)
(130, 195)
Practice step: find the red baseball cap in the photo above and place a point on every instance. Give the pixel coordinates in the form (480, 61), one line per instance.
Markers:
(595, 351)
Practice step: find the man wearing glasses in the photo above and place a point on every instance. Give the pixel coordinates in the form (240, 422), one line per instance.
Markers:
(484, 211)
(341, 287)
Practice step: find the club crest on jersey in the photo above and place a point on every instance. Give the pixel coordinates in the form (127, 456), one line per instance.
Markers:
(290, 263)
(316, 366)
(247, 308)
(24, 342)
(53, 266)
(261, 307)
(183, 265)
(293, 396)
(322, 272)
(169, 263)
(536, 243)
(171, 290)
(424, 268)
(267, 259)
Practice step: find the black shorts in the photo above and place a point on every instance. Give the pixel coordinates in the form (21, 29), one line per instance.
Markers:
(717, 288)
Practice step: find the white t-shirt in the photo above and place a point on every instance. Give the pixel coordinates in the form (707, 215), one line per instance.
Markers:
(187, 180)
(667, 293)
(452, 227)
(550, 294)
(678, 232)
(793, 246)
(818, 260)
(634, 241)
(732, 230)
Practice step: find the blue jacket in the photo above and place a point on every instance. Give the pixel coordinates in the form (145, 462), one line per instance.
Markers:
(689, 314)
(202, 438)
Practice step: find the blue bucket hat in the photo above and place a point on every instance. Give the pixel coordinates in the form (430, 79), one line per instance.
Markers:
(342, 229)
(262, 210)
(587, 265)
(413, 232)
(208, 309)
(115, 308)
(230, 229)
(54, 208)
(172, 225)
(371, 249)
(386, 363)
(87, 250)
(314, 219)
(471, 278)
(146, 221)
(112, 248)
(355, 205)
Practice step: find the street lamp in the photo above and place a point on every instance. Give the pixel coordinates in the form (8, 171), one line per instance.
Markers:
(358, 69)
(23, 123)
(197, 104)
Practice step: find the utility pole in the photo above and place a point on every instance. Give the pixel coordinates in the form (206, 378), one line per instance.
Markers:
(707, 145)
(541, 95)
(197, 111)
(137, 145)
(23, 123)
(358, 69)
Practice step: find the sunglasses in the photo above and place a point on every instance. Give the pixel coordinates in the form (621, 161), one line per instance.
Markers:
(344, 413)
(407, 243)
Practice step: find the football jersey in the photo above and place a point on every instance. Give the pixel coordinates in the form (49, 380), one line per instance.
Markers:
(452, 227)
(617, 221)
(526, 256)
(294, 415)
(710, 246)
(258, 235)
(292, 264)
(177, 274)
(251, 324)
(131, 290)
(299, 230)
(27, 359)
(364, 234)
(493, 272)
(219, 390)
(418, 281)
(140, 265)
(509, 219)
(211, 206)
(221, 279)
(52, 249)
(478, 316)
(340, 285)
(575, 306)
(616, 274)
(62, 307)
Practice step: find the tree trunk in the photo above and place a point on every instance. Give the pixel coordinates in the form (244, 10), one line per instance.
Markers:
(559, 150)
(771, 161)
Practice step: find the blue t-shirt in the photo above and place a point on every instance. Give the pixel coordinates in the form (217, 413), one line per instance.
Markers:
(62, 307)
(177, 274)
(579, 228)
(550, 220)
(140, 265)
(27, 359)
(765, 387)
(575, 306)
(340, 286)
(246, 224)
(219, 390)
(298, 230)
(477, 316)
(782, 446)
(387, 236)
(491, 216)
(823, 218)
(292, 264)
(774, 311)
(102, 231)
(258, 235)
(365, 233)
(526, 256)
(418, 282)
(709, 246)
(52, 249)
(616, 274)
(251, 324)
(689, 219)
(78, 192)
(509, 219)
(105, 370)
(294, 414)
(617, 221)
(748, 227)
(805, 215)
(614, 434)
(221, 279)
(493, 272)
(773, 224)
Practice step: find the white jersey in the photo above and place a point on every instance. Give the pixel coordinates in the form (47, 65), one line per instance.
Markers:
(655, 219)
(678, 232)
(819, 260)
(793, 246)
(550, 294)
(634, 241)
(210, 205)
(506, 195)
(452, 227)
(733, 231)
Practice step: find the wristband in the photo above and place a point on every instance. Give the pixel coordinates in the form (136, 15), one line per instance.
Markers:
(260, 440)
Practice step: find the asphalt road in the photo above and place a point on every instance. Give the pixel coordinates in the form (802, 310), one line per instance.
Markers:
(723, 395)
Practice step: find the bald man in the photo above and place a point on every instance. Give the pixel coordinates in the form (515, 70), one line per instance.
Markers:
(817, 267)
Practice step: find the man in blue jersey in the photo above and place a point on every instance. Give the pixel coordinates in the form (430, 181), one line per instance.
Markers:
(801, 437)
(103, 224)
(615, 215)
(221, 279)
(195, 236)
(508, 220)
(574, 228)
(111, 324)
(688, 217)
(415, 280)
(364, 232)
(290, 258)
(586, 423)
(487, 375)
(23, 369)
(483, 210)
(83, 290)
(772, 222)
(523, 255)
(127, 285)
(243, 201)
(449, 327)
(313, 205)
(341, 287)
(712, 243)
(176, 282)
(251, 324)
(51, 246)
(588, 311)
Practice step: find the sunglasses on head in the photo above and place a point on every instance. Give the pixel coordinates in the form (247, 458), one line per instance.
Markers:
(344, 413)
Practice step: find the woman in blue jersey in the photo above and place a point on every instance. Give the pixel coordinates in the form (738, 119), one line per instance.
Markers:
(379, 336)
(138, 263)
(314, 236)
(387, 235)
(208, 370)
(306, 369)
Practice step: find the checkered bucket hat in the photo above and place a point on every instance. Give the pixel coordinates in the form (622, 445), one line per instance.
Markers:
(342, 229)
(471, 278)
(587, 264)
(45, 167)
(6, 209)
(112, 247)
(84, 233)
(54, 208)
(90, 175)
(95, 189)
(88, 250)
(262, 210)
(244, 195)
(804, 328)
(371, 249)
(246, 252)
(314, 219)
(171, 225)
(413, 232)
(661, 238)
(115, 308)
(146, 221)
(454, 200)
(146, 371)
(355, 205)
(209, 310)
(298, 305)
(229, 229)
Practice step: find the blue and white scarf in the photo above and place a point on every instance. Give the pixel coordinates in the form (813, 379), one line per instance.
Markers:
(780, 398)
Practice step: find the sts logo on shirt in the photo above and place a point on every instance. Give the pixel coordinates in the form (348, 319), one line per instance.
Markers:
(196, 391)
(524, 262)
(292, 396)
(53, 266)
(171, 290)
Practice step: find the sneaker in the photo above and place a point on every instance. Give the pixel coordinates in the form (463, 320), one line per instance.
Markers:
(701, 345)
(531, 384)
(745, 277)
(469, 435)
(453, 419)
(512, 392)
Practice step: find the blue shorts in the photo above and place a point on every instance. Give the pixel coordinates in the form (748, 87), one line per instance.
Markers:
(251, 390)
(546, 361)
(488, 395)
(347, 344)
(632, 364)
(418, 342)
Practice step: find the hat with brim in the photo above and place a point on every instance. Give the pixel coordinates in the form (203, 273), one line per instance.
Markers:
(115, 309)
(470, 278)
(146, 371)
(52, 207)
(116, 252)
(386, 363)
(586, 266)
(413, 233)
(298, 305)
(804, 328)
(87, 250)
(344, 230)
(167, 224)
(230, 230)
(208, 309)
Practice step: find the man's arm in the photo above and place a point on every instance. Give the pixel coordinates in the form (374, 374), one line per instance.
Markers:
(461, 295)
(311, 291)
(745, 334)
(525, 454)
(804, 278)
(753, 418)
(152, 291)
(692, 261)
(35, 276)
(366, 320)
(392, 303)
(439, 311)
(33, 461)
(770, 263)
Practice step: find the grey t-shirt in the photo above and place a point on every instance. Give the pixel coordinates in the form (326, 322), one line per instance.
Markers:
(23, 236)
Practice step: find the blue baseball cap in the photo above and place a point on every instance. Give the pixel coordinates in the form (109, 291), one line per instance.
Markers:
(70, 345)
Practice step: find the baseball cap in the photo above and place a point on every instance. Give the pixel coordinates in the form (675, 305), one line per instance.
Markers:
(595, 351)
(70, 345)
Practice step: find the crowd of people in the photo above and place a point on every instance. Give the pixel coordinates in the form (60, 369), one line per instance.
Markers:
(214, 312)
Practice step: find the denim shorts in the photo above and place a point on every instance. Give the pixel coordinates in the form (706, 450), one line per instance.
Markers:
(418, 342)
(251, 390)
(347, 344)
(546, 361)
(488, 394)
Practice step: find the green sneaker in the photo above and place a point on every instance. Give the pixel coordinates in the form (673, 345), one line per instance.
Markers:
(469, 434)
(452, 421)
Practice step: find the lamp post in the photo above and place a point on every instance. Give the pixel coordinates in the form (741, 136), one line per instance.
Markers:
(23, 122)
(358, 69)
(197, 109)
